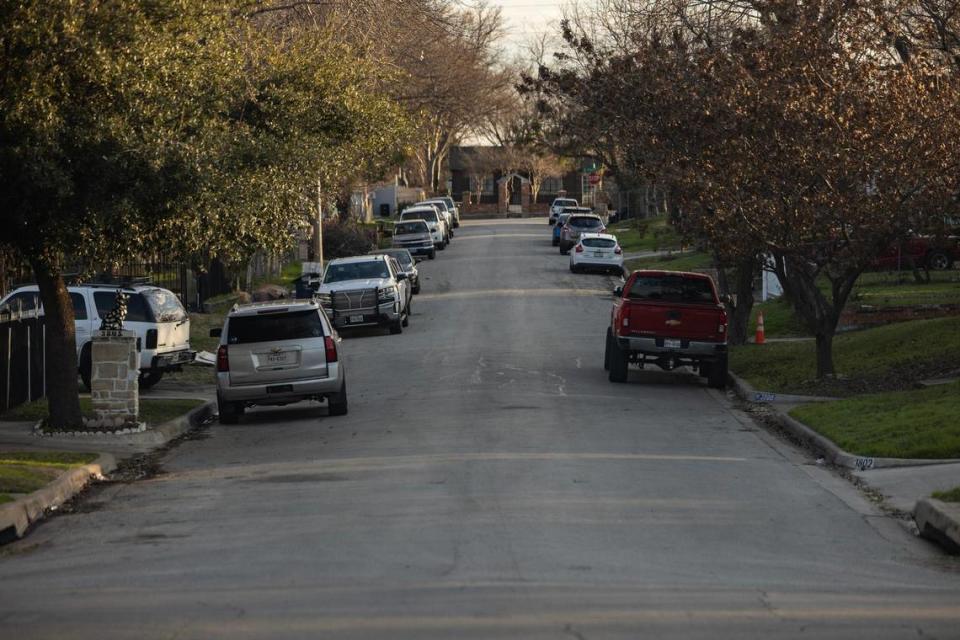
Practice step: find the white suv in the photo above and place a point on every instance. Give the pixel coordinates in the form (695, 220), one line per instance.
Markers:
(556, 208)
(365, 291)
(435, 220)
(276, 353)
(156, 315)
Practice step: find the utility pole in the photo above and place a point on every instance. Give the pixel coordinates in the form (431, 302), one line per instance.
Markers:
(318, 236)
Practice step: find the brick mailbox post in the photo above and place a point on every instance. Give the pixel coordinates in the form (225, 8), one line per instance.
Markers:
(115, 378)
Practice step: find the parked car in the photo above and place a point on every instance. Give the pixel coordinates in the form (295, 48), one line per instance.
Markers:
(575, 225)
(445, 210)
(454, 209)
(555, 232)
(414, 236)
(407, 265)
(597, 251)
(926, 252)
(156, 315)
(435, 222)
(556, 208)
(276, 353)
(365, 291)
(667, 318)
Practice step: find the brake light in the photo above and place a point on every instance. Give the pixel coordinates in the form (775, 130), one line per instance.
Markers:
(223, 362)
(331, 349)
(579, 248)
(618, 250)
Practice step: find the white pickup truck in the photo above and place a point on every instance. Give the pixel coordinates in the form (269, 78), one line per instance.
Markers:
(365, 291)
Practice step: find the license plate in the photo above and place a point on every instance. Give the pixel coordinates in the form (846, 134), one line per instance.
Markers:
(671, 344)
(598, 254)
(280, 388)
(355, 319)
(284, 357)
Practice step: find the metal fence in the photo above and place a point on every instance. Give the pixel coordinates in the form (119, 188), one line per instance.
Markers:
(22, 356)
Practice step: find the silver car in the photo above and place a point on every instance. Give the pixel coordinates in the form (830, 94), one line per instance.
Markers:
(276, 353)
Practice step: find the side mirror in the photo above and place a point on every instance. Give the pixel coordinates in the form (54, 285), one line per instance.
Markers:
(401, 276)
(216, 333)
(618, 292)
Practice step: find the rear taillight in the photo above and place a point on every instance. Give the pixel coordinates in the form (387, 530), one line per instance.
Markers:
(579, 248)
(223, 362)
(618, 250)
(331, 348)
(151, 342)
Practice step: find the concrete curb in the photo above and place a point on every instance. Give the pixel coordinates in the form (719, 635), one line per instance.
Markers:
(939, 521)
(154, 436)
(17, 516)
(826, 447)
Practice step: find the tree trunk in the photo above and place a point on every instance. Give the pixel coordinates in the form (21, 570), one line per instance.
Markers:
(738, 315)
(825, 353)
(63, 399)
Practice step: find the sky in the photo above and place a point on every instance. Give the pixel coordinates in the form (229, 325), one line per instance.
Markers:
(525, 18)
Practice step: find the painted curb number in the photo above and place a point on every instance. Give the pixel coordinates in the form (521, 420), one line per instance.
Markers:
(864, 463)
(763, 396)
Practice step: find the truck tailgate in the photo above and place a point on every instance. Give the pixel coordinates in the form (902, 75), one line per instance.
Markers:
(673, 320)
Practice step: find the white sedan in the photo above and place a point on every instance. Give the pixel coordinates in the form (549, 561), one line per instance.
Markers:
(599, 251)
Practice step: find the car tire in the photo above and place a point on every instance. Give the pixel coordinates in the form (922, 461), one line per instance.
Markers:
(938, 261)
(555, 242)
(406, 316)
(717, 373)
(229, 412)
(563, 250)
(337, 403)
(606, 351)
(573, 269)
(416, 289)
(396, 327)
(86, 366)
(432, 255)
(441, 247)
(149, 378)
(618, 362)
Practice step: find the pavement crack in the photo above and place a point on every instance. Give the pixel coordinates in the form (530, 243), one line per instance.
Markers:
(570, 631)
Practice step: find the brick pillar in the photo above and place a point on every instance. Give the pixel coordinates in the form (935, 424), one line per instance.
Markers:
(115, 378)
(525, 195)
(503, 199)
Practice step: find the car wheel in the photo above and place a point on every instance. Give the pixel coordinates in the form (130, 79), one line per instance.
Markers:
(432, 254)
(938, 261)
(555, 242)
(406, 316)
(396, 327)
(441, 247)
(618, 362)
(573, 269)
(86, 366)
(717, 373)
(149, 378)
(337, 403)
(416, 289)
(606, 352)
(230, 412)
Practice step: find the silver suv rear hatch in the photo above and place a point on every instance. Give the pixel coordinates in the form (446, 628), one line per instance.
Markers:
(276, 345)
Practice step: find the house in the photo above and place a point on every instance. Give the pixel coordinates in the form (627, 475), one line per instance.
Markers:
(477, 183)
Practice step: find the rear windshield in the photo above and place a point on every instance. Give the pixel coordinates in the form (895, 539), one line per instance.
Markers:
(402, 256)
(430, 216)
(562, 218)
(166, 305)
(599, 243)
(340, 271)
(583, 222)
(403, 228)
(438, 203)
(449, 202)
(137, 308)
(564, 203)
(670, 288)
(270, 327)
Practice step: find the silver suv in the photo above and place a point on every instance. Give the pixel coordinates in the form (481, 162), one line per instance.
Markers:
(275, 353)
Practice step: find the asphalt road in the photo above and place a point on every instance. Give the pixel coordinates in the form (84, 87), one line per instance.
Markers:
(488, 481)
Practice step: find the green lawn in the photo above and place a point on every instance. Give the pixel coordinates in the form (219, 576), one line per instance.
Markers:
(650, 234)
(690, 261)
(920, 423)
(779, 320)
(27, 471)
(888, 357)
(950, 495)
(287, 275)
(152, 411)
(200, 325)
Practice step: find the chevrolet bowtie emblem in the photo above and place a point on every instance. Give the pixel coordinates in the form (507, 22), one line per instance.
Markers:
(276, 350)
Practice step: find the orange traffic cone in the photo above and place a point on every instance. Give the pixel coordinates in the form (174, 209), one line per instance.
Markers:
(761, 337)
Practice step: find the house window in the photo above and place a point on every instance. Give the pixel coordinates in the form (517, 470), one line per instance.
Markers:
(551, 185)
(488, 186)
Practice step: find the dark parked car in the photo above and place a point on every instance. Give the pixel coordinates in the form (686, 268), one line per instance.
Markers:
(407, 265)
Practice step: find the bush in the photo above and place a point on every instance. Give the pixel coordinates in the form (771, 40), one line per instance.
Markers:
(343, 239)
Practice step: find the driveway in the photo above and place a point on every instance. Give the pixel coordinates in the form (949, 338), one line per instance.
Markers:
(488, 482)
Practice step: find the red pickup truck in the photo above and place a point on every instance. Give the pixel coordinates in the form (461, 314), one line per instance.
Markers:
(668, 318)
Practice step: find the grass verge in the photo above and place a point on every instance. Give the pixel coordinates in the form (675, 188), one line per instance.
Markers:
(645, 234)
(779, 320)
(950, 495)
(920, 423)
(152, 411)
(27, 471)
(674, 262)
(891, 357)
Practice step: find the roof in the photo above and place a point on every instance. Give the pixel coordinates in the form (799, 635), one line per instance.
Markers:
(354, 259)
(607, 236)
(662, 272)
